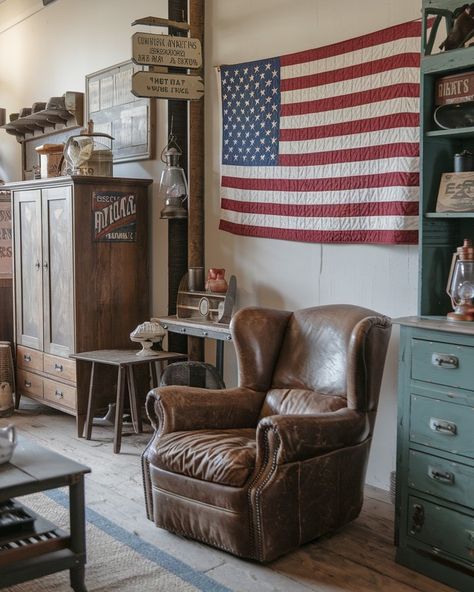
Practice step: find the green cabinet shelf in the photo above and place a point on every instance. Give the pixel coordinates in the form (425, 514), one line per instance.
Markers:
(435, 440)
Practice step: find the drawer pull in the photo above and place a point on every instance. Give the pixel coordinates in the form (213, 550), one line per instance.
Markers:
(27, 357)
(27, 384)
(444, 361)
(417, 518)
(446, 478)
(59, 395)
(58, 367)
(443, 427)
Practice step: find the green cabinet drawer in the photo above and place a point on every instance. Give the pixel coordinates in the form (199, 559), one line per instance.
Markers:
(442, 425)
(443, 363)
(446, 530)
(441, 478)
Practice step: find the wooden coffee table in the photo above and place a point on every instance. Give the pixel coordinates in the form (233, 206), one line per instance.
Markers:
(44, 548)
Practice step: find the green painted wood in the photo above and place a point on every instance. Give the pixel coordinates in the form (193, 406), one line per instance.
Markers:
(441, 478)
(442, 425)
(450, 532)
(443, 363)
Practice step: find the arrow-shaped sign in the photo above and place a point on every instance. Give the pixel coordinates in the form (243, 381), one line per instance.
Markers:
(167, 86)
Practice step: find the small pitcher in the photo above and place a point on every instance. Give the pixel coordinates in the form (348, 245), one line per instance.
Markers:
(7, 443)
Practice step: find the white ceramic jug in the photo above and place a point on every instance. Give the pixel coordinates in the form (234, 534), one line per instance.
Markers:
(7, 443)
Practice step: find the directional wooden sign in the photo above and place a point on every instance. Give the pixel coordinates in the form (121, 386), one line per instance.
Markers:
(150, 49)
(167, 86)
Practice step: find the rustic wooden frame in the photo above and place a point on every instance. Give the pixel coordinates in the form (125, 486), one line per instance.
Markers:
(121, 114)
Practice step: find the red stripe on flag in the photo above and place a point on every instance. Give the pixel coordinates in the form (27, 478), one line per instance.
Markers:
(351, 155)
(376, 95)
(405, 60)
(352, 210)
(411, 29)
(346, 128)
(401, 237)
(330, 184)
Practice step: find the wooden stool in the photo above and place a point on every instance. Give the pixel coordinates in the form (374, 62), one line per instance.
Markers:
(125, 360)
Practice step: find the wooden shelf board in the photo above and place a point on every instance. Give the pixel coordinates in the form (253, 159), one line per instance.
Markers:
(458, 132)
(449, 215)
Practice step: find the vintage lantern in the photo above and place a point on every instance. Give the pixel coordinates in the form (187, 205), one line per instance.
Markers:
(461, 283)
(173, 188)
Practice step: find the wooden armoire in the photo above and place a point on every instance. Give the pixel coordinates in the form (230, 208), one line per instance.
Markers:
(81, 279)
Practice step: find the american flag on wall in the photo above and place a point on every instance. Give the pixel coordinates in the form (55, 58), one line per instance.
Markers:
(322, 145)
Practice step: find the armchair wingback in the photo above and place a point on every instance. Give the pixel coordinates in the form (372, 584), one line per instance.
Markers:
(262, 468)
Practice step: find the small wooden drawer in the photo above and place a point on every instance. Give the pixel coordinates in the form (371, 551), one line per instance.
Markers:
(448, 532)
(28, 358)
(441, 478)
(442, 363)
(60, 367)
(59, 393)
(442, 425)
(29, 384)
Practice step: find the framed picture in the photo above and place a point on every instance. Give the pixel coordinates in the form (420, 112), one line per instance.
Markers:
(130, 120)
(456, 192)
(6, 267)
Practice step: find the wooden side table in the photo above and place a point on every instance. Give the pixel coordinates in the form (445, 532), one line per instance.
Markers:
(44, 548)
(124, 360)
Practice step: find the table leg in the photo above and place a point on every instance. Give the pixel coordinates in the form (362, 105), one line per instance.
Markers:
(90, 405)
(134, 408)
(78, 533)
(119, 410)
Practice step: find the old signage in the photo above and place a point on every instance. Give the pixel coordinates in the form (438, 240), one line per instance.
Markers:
(167, 86)
(114, 216)
(150, 49)
(456, 192)
(457, 88)
(6, 269)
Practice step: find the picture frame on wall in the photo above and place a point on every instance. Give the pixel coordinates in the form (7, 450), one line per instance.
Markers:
(130, 120)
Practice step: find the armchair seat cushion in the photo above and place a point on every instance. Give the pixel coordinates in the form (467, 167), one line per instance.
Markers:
(226, 457)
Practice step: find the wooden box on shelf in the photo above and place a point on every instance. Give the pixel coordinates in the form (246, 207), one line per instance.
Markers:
(214, 307)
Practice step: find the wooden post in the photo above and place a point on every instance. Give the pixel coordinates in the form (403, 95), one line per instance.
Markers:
(196, 172)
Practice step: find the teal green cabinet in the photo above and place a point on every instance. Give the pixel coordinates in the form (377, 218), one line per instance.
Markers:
(435, 451)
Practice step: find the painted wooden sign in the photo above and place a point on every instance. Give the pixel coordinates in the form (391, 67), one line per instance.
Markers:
(114, 216)
(6, 270)
(456, 192)
(167, 86)
(150, 49)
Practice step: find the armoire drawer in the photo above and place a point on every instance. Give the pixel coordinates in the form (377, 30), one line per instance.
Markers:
(29, 384)
(29, 359)
(443, 529)
(60, 367)
(442, 363)
(442, 478)
(442, 425)
(59, 393)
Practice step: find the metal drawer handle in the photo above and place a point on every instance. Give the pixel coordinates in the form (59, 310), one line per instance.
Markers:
(27, 357)
(37, 265)
(444, 361)
(58, 367)
(27, 384)
(443, 427)
(417, 518)
(446, 477)
(59, 395)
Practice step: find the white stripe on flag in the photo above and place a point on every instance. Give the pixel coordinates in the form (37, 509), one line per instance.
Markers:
(323, 224)
(379, 138)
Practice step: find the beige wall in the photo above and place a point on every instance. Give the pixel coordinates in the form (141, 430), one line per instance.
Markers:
(53, 48)
(293, 275)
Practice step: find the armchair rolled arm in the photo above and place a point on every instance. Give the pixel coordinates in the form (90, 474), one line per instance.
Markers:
(290, 438)
(178, 408)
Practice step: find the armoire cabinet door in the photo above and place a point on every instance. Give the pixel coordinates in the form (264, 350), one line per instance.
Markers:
(28, 269)
(58, 285)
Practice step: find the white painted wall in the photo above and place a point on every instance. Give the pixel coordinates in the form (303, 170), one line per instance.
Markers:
(296, 275)
(53, 48)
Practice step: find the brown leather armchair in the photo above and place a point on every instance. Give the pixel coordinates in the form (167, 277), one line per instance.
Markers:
(260, 469)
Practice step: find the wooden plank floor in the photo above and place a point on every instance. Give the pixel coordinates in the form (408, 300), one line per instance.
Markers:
(358, 559)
